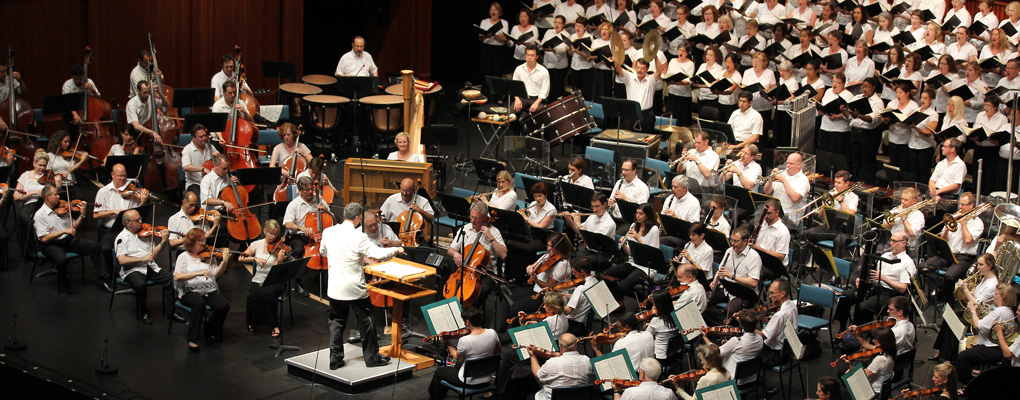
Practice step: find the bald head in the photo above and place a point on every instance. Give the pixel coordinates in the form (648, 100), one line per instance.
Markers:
(406, 189)
(568, 342)
(130, 215)
(119, 175)
(793, 163)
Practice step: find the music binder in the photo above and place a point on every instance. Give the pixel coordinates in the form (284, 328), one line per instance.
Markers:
(951, 24)
(688, 317)
(722, 85)
(622, 19)
(675, 227)
(601, 299)
(1009, 29)
(963, 91)
(524, 37)
(673, 33)
(810, 90)
(977, 28)
(925, 52)
(552, 42)
(738, 290)
(443, 316)
(492, 30)
(615, 365)
(861, 105)
(833, 61)
(905, 38)
(880, 47)
(537, 334)
(857, 383)
(723, 390)
(834, 106)
(648, 25)
(937, 80)
(577, 196)
(627, 210)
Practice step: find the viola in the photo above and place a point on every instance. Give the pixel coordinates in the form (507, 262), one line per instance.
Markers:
(465, 282)
(863, 354)
(202, 215)
(716, 331)
(602, 338)
(530, 317)
(150, 231)
(76, 155)
(538, 350)
(7, 152)
(317, 221)
(919, 393)
(76, 206)
(561, 286)
(96, 116)
(550, 260)
(673, 292)
(627, 383)
(410, 222)
(448, 335)
(688, 376)
(869, 326)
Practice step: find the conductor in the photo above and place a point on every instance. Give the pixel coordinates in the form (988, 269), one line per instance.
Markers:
(346, 247)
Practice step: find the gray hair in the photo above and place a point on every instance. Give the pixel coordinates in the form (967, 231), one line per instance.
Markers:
(652, 368)
(352, 211)
(480, 207)
(786, 65)
(681, 180)
(304, 182)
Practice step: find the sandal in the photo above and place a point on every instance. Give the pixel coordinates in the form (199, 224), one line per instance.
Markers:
(276, 332)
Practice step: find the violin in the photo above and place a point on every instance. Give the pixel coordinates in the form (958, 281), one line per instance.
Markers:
(627, 383)
(210, 251)
(4, 187)
(47, 177)
(558, 287)
(673, 292)
(6, 152)
(550, 260)
(647, 315)
(760, 311)
(411, 222)
(150, 231)
(716, 331)
(919, 393)
(448, 335)
(202, 215)
(544, 352)
(529, 317)
(76, 206)
(869, 326)
(277, 246)
(688, 376)
(602, 338)
(76, 155)
(863, 354)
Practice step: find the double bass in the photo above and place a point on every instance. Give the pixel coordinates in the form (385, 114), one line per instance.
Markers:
(17, 113)
(317, 221)
(168, 93)
(161, 173)
(96, 114)
(465, 283)
(241, 134)
(242, 224)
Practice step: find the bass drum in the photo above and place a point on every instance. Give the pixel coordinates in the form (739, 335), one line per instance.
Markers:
(560, 120)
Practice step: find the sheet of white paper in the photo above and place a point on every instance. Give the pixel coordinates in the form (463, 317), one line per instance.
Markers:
(610, 368)
(445, 319)
(790, 331)
(954, 322)
(601, 299)
(723, 393)
(536, 336)
(690, 318)
(860, 388)
(396, 269)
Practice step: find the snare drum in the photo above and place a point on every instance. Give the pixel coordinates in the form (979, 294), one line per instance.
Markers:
(560, 120)
(431, 98)
(292, 94)
(385, 113)
(324, 82)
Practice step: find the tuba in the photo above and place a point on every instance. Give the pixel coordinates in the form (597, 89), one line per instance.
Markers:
(1007, 260)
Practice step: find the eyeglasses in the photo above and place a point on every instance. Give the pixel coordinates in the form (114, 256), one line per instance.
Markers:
(898, 240)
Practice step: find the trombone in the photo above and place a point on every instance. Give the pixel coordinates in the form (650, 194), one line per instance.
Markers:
(952, 221)
(828, 199)
(889, 217)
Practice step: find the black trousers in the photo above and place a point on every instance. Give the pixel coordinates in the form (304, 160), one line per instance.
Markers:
(713, 316)
(833, 141)
(339, 310)
(557, 83)
(682, 109)
(436, 389)
(26, 214)
(991, 162)
(974, 356)
(864, 148)
(1001, 175)
(919, 163)
(581, 79)
(627, 277)
(218, 306)
(954, 272)
(56, 251)
(106, 238)
(782, 132)
(492, 60)
(261, 304)
(868, 308)
(139, 283)
(898, 156)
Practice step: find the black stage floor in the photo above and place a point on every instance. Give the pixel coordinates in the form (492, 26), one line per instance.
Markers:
(65, 333)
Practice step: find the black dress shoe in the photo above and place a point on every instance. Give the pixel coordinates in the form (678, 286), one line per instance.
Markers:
(771, 392)
(177, 318)
(335, 365)
(382, 360)
(146, 319)
(301, 291)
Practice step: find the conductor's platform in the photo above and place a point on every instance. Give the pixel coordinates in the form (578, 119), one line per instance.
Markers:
(354, 377)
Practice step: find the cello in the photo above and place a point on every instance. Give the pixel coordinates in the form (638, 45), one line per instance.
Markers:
(410, 222)
(95, 115)
(242, 225)
(20, 118)
(241, 133)
(465, 282)
(317, 221)
(291, 167)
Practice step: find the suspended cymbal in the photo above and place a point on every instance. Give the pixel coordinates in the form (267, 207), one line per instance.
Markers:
(616, 46)
(651, 47)
(1008, 214)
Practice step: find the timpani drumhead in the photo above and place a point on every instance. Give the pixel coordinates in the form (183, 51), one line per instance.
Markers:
(325, 99)
(301, 89)
(319, 80)
(613, 133)
(382, 99)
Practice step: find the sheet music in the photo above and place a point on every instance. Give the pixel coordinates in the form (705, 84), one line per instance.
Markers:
(396, 269)
(615, 365)
(601, 299)
(954, 322)
(790, 331)
(858, 385)
(688, 317)
(443, 316)
(537, 335)
(727, 392)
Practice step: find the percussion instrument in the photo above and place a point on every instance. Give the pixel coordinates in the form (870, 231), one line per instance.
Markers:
(650, 48)
(322, 113)
(431, 99)
(292, 94)
(385, 113)
(614, 134)
(324, 82)
(560, 120)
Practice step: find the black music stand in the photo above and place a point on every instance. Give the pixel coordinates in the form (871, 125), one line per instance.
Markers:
(717, 240)
(134, 164)
(213, 122)
(621, 109)
(528, 183)
(5, 173)
(506, 87)
(194, 97)
(840, 221)
(355, 87)
(577, 196)
(145, 211)
(676, 227)
(743, 196)
(830, 163)
(938, 246)
(279, 70)
(457, 208)
(627, 210)
(601, 243)
(283, 274)
(511, 225)
(487, 169)
(720, 127)
(61, 103)
(770, 263)
(738, 290)
(761, 198)
(648, 256)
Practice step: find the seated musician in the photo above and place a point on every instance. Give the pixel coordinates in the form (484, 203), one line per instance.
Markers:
(687, 274)
(225, 103)
(639, 344)
(599, 221)
(946, 345)
(356, 62)
(137, 258)
(181, 222)
(847, 202)
(745, 171)
(30, 185)
(774, 238)
(662, 326)
(644, 230)
(536, 81)
(404, 151)
(986, 350)
(1010, 351)
(479, 343)
(111, 200)
(379, 234)
(790, 187)
(640, 86)
(539, 214)
(578, 307)
(949, 173)
(214, 182)
(576, 168)
(289, 147)
(740, 264)
(963, 242)
(314, 172)
(128, 143)
(197, 288)
(944, 376)
(504, 197)
(773, 334)
(19, 85)
(59, 236)
(552, 313)
(406, 200)
(559, 272)
(697, 252)
(60, 142)
(630, 188)
(649, 389)
(741, 348)
(569, 368)
(881, 367)
(894, 279)
(682, 204)
(903, 330)
(746, 122)
(138, 110)
(700, 162)
(294, 220)
(77, 84)
(911, 224)
(258, 259)
(829, 387)
(226, 73)
(719, 221)
(710, 360)
(488, 238)
(194, 156)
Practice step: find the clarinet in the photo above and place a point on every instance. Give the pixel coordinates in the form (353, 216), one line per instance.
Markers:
(708, 218)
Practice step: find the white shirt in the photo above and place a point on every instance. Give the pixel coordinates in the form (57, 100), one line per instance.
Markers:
(519, 48)
(47, 221)
(70, 87)
(415, 157)
(998, 314)
(900, 272)
(768, 16)
(569, 369)
(881, 368)
(353, 65)
(963, 15)
(850, 202)
(766, 79)
(640, 345)
(578, 61)
(717, 71)
(558, 58)
(774, 334)
(474, 347)
(956, 243)
(535, 80)
(835, 124)
(636, 191)
(800, 184)
(210, 188)
(736, 79)
(604, 224)
(217, 83)
(260, 251)
(776, 237)
(191, 155)
(298, 209)
(559, 273)
(740, 348)
(708, 158)
(486, 24)
(687, 208)
(899, 133)
(640, 90)
(745, 124)
(662, 333)
(582, 180)
(949, 172)
(721, 225)
(201, 284)
(136, 110)
(751, 171)
(108, 198)
(129, 244)
(695, 292)
(704, 256)
(648, 391)
(346, 247)
(546, 210)
(920, 141)
(558, 324)
(506, 201)
(569, 13)
(466, 238)
(395, 205)
(138, 74)
(384, 232)
(30, 182)
(688, 69)
(746, 264)
(876, 108)
(578, 303)
(903, 331)
(916, 220)
(985, 291)
(964, 53)
(179, 224)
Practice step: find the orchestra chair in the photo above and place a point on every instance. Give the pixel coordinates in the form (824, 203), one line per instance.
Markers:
(34, 246)
(824, 259)
(676, 348)
(893, 384)
(747, 369)
(709, 113)
(601, 165)
(819, 296)
(182, 307)
(659, 170)
(580, 392)
(787, 353)
(451, 220)
(116, 281)
(476, 368)
(269, 138)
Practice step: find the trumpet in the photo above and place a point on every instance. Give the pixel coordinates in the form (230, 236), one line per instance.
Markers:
(827, 199)
(724, 167)
(890, 216)
(762, 180)
(684, 156)
(953, 221)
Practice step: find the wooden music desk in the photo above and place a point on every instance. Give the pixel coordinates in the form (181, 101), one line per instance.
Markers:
(398, 288)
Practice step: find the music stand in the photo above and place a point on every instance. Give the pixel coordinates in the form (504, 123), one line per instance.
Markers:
(720, 127)
(279, 70)
(511, 225)
(528, 183)
(258, 176)
(506, 87)
(940, 247)
(770, 263)
(620, 109)
(744, 199)
(283, 274)
(840, 221)
(457, 208)
(133, 164)
(831, 162)
(355, 87)
(213, 122)
(486, 169)
(5, 173)
(627, 210)
(601, 243)
(648, 256)
(738, 290)
(676, 227)
(761, 198)
(577, 196)
(63, 103)
(717, 240)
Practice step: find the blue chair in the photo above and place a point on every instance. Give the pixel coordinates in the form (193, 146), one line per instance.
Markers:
(268, 137)
(476, 368)
(785, 353)
(285, 113)
(455, 222)
(184, 139)
(596, 112)
(821, 297)
(40, 258)
(604, 156)
(118, 281)
(667, 252)
(580, 392)
(558, 225)
(747, 369)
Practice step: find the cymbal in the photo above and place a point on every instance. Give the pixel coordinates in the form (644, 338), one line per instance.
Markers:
(1008, 214)
(616, 46)
(651, 47)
